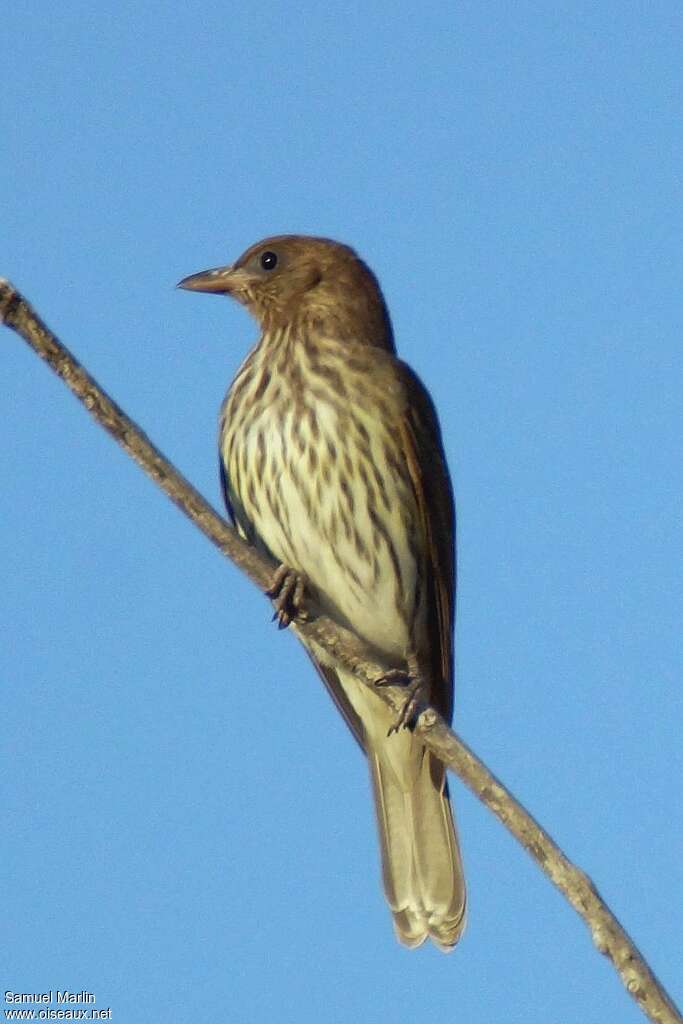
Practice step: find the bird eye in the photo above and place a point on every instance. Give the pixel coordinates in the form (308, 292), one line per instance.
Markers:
(268, 260)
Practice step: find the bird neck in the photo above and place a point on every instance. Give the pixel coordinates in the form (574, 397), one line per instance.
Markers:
(317, 320)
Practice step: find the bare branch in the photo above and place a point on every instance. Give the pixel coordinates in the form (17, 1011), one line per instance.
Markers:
(348, 651)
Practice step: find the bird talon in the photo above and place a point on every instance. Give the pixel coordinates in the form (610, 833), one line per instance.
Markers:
(286, 591)
(393, 677)
(415, 696)
(278, 581)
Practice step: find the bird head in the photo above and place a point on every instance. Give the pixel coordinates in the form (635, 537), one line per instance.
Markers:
(295, 279)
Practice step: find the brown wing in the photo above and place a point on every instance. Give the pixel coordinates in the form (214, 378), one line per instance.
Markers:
(330, 677)
(424, 457)
(426, 462)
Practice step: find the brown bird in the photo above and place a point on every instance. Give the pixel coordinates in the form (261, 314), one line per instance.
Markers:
(332, 464)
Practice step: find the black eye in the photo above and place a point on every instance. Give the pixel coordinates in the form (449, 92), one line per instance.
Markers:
(268, 260)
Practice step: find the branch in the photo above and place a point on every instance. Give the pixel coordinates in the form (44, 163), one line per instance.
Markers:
(348, 651)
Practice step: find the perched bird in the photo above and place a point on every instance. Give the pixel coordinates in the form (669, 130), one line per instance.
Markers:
(332, 464)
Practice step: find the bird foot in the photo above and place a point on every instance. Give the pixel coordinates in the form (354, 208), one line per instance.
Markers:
(286, 591)
(416, 696)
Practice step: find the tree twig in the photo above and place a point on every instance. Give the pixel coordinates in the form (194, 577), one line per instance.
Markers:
(347, 650)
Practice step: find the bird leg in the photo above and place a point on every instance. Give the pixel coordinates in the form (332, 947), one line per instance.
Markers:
(286, 591)
(415, 689)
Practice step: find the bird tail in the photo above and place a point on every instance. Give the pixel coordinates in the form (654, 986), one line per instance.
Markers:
(421, 863)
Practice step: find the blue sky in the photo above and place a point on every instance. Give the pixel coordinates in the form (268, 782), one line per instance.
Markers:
(187, 827)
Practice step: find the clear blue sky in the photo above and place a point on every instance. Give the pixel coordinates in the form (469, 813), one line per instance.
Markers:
(187, 829)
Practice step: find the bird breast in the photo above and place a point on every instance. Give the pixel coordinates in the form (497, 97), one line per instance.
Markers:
(315, 470)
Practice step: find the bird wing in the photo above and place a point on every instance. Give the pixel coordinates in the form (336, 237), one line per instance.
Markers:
(424, 456)
(236, 513)
(225, 488)
(420, 438)
(335, 688)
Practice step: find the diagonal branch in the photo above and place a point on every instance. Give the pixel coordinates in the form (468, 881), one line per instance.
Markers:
(347, 650)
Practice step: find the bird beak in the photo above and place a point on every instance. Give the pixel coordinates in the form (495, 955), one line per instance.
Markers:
(220, 281)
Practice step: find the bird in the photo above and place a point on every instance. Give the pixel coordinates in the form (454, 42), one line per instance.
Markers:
(332, 465)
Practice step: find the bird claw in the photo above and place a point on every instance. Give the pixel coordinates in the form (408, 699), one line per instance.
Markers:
(286, 591)
(415, 696)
